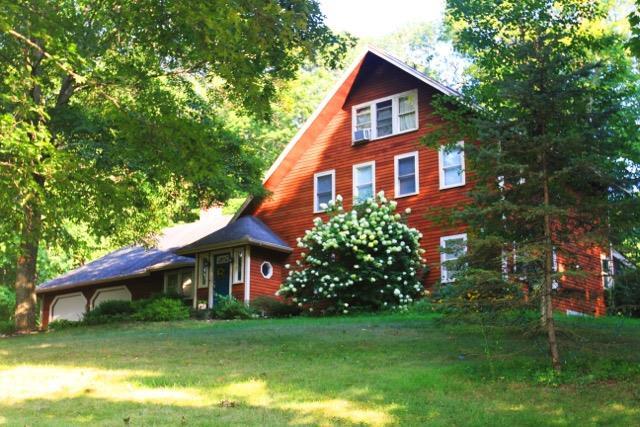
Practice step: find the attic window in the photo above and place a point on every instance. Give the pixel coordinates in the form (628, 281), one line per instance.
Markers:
(387, 116)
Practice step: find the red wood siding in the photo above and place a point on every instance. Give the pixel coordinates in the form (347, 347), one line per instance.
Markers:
(261, 286)
(237, 291)
(584, 293)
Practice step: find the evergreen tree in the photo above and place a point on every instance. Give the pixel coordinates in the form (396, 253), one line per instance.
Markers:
(549, 119)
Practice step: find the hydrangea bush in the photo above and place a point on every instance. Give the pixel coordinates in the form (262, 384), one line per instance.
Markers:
(365, 259)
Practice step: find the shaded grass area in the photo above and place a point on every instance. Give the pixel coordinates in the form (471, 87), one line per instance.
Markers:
(364, 370)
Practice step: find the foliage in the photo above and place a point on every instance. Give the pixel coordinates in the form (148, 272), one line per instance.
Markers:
(624, 297)
(160, 309)
(60, 324)
(275, 307)
(7, 327)
(227, 307)
(110, 311)
(365, 259)
(7, 303)
(552, 102)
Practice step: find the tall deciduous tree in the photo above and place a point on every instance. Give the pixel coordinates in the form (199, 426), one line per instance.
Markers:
(105, 116)
(553, 105)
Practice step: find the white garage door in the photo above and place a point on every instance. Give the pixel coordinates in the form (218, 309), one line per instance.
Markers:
(68, 306)
(120, 293)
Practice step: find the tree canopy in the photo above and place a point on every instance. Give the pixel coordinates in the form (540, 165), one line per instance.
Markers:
(107, 110)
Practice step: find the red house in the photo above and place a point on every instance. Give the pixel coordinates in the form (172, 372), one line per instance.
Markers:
(362, 139)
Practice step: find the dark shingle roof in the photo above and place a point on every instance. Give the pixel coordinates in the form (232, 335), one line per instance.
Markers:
(134, 261)
(244, 230)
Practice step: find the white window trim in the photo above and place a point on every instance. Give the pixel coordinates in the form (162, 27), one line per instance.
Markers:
(247, 275)
(443, 241)
(267, 276)
(396, 180)
(462, 165)
(395, 113)
(236, 266)
(355, 175)
(316, 204)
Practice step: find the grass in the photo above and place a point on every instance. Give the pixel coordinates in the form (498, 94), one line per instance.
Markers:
(409, 370)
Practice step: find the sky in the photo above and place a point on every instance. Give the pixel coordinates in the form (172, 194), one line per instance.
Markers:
(375, 18)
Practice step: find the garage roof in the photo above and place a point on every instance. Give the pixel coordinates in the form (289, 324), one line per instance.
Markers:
(137, 260)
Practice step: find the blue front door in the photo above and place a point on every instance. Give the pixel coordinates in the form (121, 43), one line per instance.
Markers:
(221, 272)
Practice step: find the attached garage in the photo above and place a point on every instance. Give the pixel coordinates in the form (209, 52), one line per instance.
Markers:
(116, 293)
(68, 306)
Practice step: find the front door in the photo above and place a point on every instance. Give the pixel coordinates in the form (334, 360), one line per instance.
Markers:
(221, 272)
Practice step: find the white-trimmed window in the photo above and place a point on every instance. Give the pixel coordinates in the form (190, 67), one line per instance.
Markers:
(364, 181)
(554, 267)
(266, 269)
(451, 249)
(607, 266)
(324, 189)
(179, 283)
(387, 116)
(406, 174)
(451, 162)
(205, 270)
(238, 265)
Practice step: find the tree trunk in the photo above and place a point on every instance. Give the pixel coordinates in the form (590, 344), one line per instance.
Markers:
(546, 300)
(25, 314)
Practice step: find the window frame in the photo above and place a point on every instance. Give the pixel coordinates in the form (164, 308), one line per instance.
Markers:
(355, 168)
(443, 267)
(463, 175)
(180, 276)
(266, 276)
(396, 177)
(316, 202)
(395, 115)
(238, 267)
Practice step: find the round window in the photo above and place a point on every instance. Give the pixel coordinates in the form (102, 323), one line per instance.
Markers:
(266, 269)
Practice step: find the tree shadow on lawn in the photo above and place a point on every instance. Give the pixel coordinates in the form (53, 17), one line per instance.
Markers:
(253, 402)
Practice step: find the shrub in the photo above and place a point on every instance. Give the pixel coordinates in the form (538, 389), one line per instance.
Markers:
(7, 303)
(109, 312)
(227, 307)
(7, 327)
(624, 297)
(275, 307)
(64, 324)
(160, 308)
(363, 260)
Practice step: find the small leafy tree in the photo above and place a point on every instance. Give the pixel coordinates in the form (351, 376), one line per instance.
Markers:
(365, 259)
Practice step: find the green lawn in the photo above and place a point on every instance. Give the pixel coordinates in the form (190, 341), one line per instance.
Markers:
(385, 370)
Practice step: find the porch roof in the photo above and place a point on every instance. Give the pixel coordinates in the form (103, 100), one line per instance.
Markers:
(245, 230)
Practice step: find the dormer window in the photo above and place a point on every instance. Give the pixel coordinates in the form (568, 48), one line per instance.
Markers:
(384, 117)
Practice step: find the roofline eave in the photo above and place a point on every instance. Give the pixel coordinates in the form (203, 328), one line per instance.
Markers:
(246, 240)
